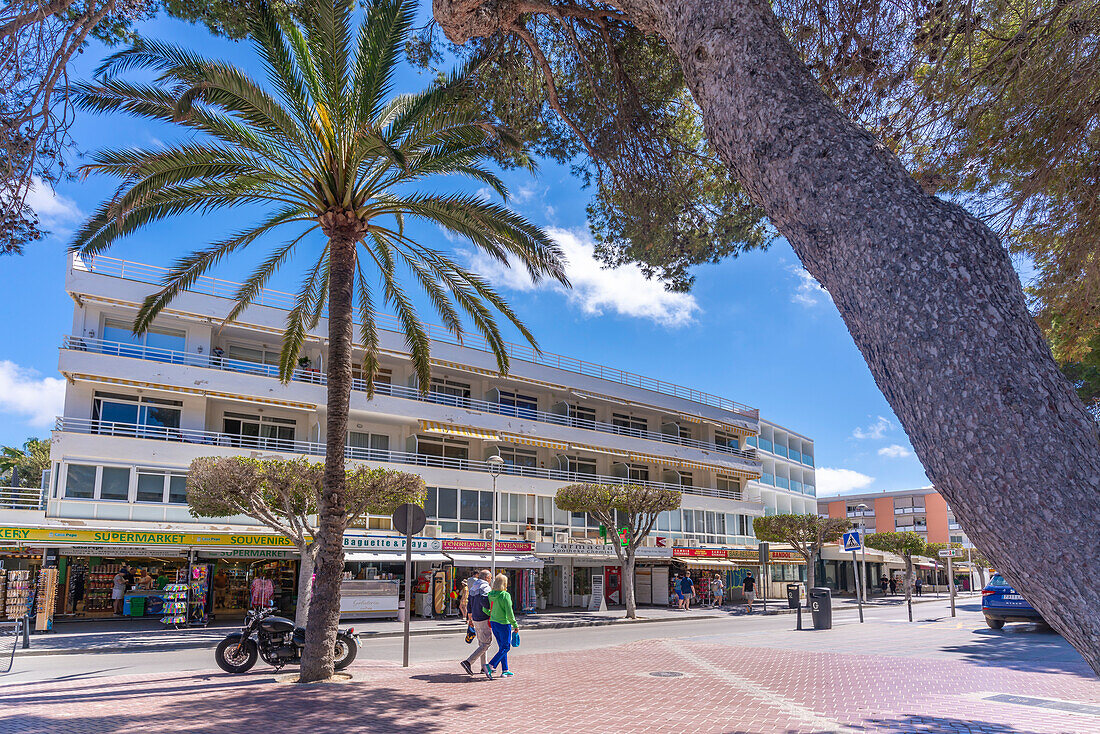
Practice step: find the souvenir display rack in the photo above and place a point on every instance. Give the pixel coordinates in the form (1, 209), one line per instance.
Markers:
(18, 594)
(198, 594)
(3, 586)
(46, 599)
(175, 605)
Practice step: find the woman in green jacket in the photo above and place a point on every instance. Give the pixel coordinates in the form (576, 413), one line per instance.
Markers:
(501, 621)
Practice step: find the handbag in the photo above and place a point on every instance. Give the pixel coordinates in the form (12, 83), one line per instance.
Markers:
(470, 633)
(515, 638)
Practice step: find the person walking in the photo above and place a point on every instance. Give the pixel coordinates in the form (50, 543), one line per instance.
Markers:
(748, 587)
(919, 584)
(717, 591)
(883, 584)
(687, 588)
(676, 590)
(118, 589)
(501, 620)
(464, 599)
(476, 617)
(893, 586)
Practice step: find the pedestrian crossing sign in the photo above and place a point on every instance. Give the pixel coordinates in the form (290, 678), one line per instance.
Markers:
(852, 541)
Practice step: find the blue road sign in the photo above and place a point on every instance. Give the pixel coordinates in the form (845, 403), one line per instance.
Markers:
(851, 541)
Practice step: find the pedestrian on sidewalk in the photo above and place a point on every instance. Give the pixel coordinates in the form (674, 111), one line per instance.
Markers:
(748, 587)
(478, 618)
(717, 591)
(687, 588)
(883, 584)
(676, 590)
(464, 599)
(893, 586)
(118, 588)
(919, 584)
(501, 620)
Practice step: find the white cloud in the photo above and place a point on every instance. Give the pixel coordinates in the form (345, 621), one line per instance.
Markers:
(55, 211)
(894, 451)
(840, 481)
(876, 430)
(24, 392)
(808, 292)
(596, 289)
(524, 193)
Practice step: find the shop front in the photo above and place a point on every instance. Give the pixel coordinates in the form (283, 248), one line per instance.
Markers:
(784, 567)
(572, 567)
(702, 565)
(514, 559)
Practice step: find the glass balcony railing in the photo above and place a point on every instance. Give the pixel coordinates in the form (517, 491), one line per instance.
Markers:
(780, 450)
(783, 482)
(314, 448)
(766, 478)
(316, 377)
(796, 486)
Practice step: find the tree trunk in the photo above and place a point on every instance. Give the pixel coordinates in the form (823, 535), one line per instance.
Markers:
(909, 586)
(324, 606)
(811, 572)
(926, 290)
(981, 575)
(305, 583)
(628, 585)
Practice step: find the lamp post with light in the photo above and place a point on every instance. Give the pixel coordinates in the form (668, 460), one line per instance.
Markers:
(495, 464)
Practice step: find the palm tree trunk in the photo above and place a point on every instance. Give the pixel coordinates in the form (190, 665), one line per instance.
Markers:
(307, 552)
(332, 520)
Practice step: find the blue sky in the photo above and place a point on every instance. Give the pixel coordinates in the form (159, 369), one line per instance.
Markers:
(756, 329)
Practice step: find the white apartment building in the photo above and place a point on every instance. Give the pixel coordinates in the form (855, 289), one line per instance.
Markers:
(138, 410)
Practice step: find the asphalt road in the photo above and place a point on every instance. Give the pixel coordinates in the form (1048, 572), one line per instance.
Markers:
(934, 633)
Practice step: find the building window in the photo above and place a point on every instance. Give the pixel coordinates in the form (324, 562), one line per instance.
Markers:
(364, 445)
(80, 481)
(729, 487)
(727, 440)
(523, 406)
(447, 391)
(518, 458)
(159, 486)
(630, 425)
(580, 465)
(135, 415)
(257, 355)
(259, 430)
(582, 416)
(382, 376)
(155, 338)
(443, 447)
(637, 472)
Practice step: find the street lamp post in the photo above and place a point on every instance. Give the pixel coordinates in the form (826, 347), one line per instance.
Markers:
(495, 465)
(863, 548)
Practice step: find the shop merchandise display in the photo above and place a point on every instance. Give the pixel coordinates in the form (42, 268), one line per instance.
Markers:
(18, 594)
(46, 599)
(175, 605)
(97, 587)
(3, 586)
(198, 594)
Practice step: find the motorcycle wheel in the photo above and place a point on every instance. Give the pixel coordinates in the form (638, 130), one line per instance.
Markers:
(346, 650)
(232, 659)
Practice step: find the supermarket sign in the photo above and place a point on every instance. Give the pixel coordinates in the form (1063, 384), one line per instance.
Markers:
(55, 536)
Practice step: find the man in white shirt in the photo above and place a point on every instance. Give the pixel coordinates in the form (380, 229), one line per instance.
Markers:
(478, 619)
(118, 589)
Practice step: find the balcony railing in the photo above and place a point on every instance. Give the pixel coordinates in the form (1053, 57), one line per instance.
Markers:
(907, 510)
(316, 377)
(313, 448)
(22, 498)
(140, 272)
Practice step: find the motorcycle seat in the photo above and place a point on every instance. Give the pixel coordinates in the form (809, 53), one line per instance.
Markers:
(299, 636)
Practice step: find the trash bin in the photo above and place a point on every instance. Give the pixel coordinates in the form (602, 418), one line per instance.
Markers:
(793, 595)
(821, 607)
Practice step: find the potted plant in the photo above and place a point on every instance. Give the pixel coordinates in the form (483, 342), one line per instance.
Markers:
(544, 588)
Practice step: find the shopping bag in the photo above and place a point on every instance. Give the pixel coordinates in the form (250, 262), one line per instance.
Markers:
(470, 634)
(515, 638)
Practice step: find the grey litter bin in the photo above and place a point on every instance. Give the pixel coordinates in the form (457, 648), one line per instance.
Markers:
(821, 607)
(793, 595)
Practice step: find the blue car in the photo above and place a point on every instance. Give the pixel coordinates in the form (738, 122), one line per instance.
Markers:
(1001, 603)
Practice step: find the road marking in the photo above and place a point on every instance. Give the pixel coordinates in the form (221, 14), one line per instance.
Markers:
(810, 717)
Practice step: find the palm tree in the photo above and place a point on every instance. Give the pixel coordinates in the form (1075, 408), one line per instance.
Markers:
(24, 467)
(326, 147)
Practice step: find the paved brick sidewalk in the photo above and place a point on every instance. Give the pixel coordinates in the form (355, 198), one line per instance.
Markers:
(721, 688)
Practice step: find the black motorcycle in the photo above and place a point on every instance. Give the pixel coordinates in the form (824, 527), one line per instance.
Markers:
(277, 641)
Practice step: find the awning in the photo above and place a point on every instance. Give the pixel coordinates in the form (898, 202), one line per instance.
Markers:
(484, 560)
(527, 441)
(359, 557)
(453, 430)
(715, 563)
(686, 464)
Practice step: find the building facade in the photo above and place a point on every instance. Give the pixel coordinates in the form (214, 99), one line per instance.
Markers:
(922, 510)
(139, 409)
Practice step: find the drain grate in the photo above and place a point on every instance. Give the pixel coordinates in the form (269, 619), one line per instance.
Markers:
(1047, 703)
(666, 674)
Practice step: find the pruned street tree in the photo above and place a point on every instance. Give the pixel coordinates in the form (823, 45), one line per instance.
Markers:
(807, 534)
(618, 507)
(932, 550)
(905, 544)
(926, 288)
(284, 494)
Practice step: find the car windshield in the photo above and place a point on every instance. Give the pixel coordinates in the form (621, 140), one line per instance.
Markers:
(998, 580)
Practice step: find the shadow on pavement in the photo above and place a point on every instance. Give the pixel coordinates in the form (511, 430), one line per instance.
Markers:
(214, 705)
(1027, 647)
(915, 724)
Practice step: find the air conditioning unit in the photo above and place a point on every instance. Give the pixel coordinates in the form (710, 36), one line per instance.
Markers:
(532, 536)
(431, 531)
(681, 542)
(649, 542)
(561, 537)
(691, 542)
(487, 534)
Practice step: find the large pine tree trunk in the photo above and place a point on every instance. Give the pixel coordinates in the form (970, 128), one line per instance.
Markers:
(324, 607)
(926, 290)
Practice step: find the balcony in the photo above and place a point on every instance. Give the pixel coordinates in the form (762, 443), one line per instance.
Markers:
(861, 513)
(154, 275)
(315, 377)
(22, 498)
(908, 510)
(215, 439)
